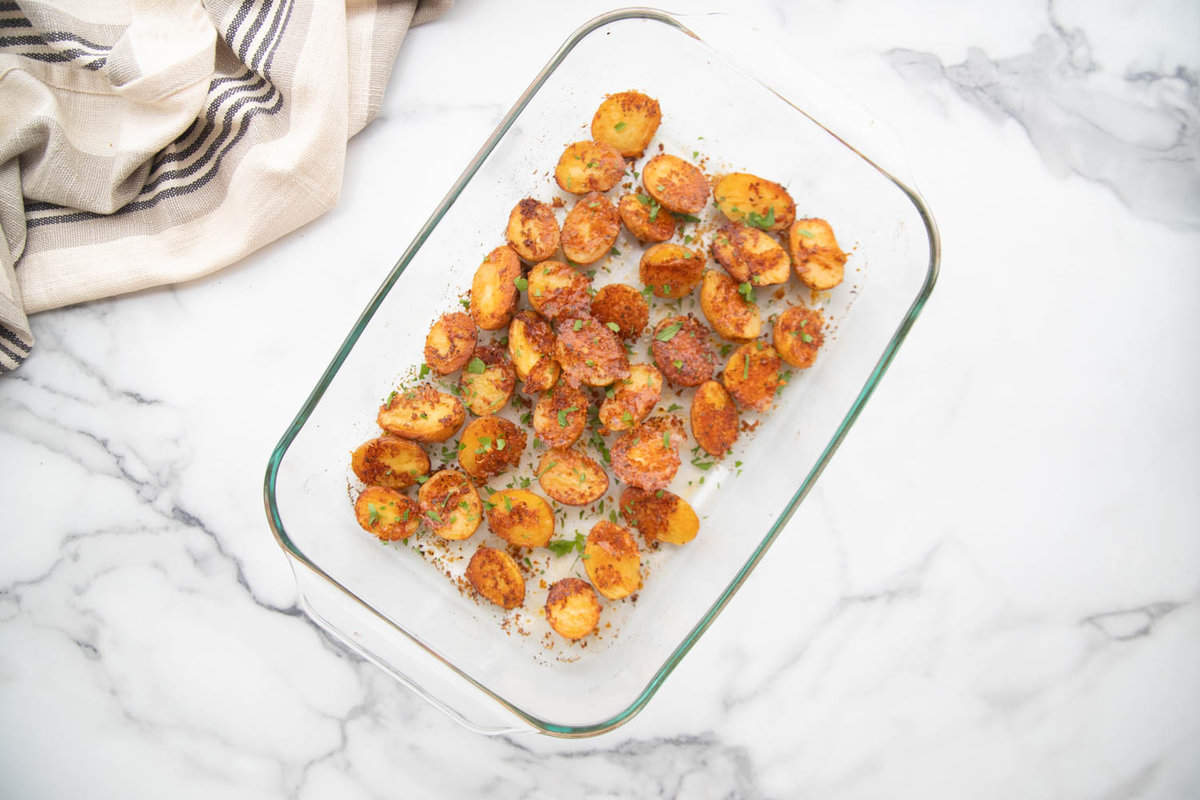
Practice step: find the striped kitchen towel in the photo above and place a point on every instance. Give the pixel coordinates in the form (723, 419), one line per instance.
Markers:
(146, 142)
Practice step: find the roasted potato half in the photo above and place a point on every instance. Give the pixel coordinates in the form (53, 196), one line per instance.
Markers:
(612, 560)
(645, 218)
(531, 346)
(622, 309)
(532, 230)
(659, 516)
(556, 289)
(682, 351)
(714, 418)
(450, 505)
(570, 477)
(756, 201)
(589, 352)
(752, 375)
(572, 608)
(450, 342)
(487, 381)
(589, 167)
(647, 455)
(423, 414)
(633, 398)
(560, 415)
(728, 308)
(386, 513)
(494, 290)
(799, 333)
(820, 263)
(489, 446)
(520, 517)
(496, 577)
(676, 184)
(627, 121)
(671, 270)
(389, 461)
(591, 229)
(749, 254)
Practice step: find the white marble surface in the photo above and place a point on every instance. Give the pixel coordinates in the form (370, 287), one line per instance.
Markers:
(999, 573)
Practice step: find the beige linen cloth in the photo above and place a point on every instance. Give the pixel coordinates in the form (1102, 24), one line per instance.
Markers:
(146, 142)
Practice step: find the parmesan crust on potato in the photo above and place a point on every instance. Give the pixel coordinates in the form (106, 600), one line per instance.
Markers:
(490, 446)
(450, 505)
(589, 352)
(386, 513)
(747, 198)
(496, 577)
(682, 350)
(612, 560)
(591, 229)
(645, 218)
(627, 121)
(749, 254)
(531, 346)
(752, 375)
(389, 461)
(520, 517)
(556, 289)
(660, 516)
(678, 185)
(819, 261)
(727, 307)
(798, 334)
(714, 419)
(532, 230)
(647, 455)
(589, 167)
(487, 381)
(570, 477)
(572, 608)
(633, 398)
(622, 306)
(671, 270)
(450, 342)
(423, 414)
(560, 415)
(494, 290)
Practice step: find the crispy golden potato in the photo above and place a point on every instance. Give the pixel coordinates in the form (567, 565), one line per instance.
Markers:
(727, 308)
(752, 375)
(799, 333)
(532, 230)
(556, 289)
(749, 254)
(659, 516)
(589, 167)
(489, 446)
(389, 461)
(560, 415)
(671, 270)
(531, 345)
(496, 577)
(645, 218)
(647, 455)
(386, 513)
(589, 352)
(450, 342)
(591, 229)
(487, 381)
(520, 517)
(612, 560)
(622, 306)
(677, 185)
(820, 263)
(749, 199)
(682, 351)
(451, 505)
(423, 414)
(572, 608)
(494, 289)
(570, 477)
(627, 121)
(714, 419)
(633, 398)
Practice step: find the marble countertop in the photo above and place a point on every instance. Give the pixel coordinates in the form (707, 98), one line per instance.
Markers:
(1005, 553)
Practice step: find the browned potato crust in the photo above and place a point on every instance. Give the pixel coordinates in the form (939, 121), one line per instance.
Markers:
(752, 375)
(633, 398)
(621, 305)
(489, 446)
(645, 218)
(487, 384)
(570, 477)
(682, 351)
(451, 505)
(591, 229)
(819, 261)
(496, 577)
(389, 461)
(493, 289)
(749, 254)
(450, 342)
(532, 230)
(612, 560)
(589, 352)
(627, 121)
(675, 184)
(740, 194)
(647, 456)
(423, 414)
(386, 513)
(556, 289)
(572, 608)
(671, 270)
(799, 334)
(531, 345)
(589, 167)
(520, 517)
(560, 415)
(714, 419)
(726, 309)
(660, 515)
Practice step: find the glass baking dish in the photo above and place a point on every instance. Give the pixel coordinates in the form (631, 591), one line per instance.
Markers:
(499, 674)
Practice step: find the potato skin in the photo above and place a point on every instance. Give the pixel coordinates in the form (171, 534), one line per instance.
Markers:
(386, 513)
(633, 399)
(422, 414)
(489, 391)
(496, 577)
(589, 167)
(726, 309)
(570, 477)
(450, 342)
(636, 211)
(532, 230)
(798, 334)
(671, 270)
(562, 404)
(819, 261)
(752, 375)
(740, 193)
(450, 505)
(531, 346)
(589, 352)
(480, 452)
(676, 184)
(612, 560)
(627, 121)
(660, 516)
(749, 254)
(389, 461)
(591, 229)
(685, 358)
(623, 306)
(572, 608)
(493, 291)
(647, 456)
(520, 517)
(714, 418)
(556, 289)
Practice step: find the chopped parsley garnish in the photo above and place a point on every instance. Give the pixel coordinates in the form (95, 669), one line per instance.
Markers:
(577, 325)
(746, 290)
(746, 367)
(372, 514)
(761, 221)
(424, 371)
(668, 333)
(615, 252)
(807, 337)
(560, 547)
(521, 283)
(612, 326)
(805, 234)
(685, 217)
(476, 366)
(562, 415)
(673, 407)
(620, 126)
